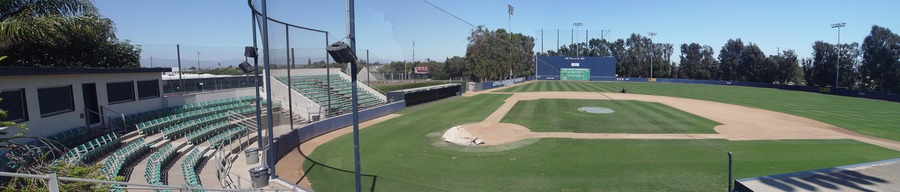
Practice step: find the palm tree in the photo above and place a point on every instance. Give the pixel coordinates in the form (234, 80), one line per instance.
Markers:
(47, 22)
(60, 33)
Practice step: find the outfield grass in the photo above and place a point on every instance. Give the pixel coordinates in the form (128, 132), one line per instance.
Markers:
(866, 116)
(405, 159)
(562, 115)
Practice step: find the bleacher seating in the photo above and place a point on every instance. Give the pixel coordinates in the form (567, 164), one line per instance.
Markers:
(206, 132)
(179, 130)
(226, 137)
(191, 112)
(70, 137)
(317, 89)
(90, 150)
(188, 169)
(197, 123)
(154, 165)
(120, 157)
(166, 114)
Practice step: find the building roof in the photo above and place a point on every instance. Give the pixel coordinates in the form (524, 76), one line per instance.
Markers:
(14, 71)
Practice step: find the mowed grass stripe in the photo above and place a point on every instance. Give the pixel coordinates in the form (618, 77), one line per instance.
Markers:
(845, 112)
(562, 115)
(404, 159)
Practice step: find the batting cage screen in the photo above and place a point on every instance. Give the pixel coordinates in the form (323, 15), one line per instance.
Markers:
(576, 68)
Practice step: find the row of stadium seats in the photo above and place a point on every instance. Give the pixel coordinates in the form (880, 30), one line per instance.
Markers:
(117, 160)
(155, 125)
(206, 132)
(71, 137)
(226, 137)
(133, 119)
(90, 150)
(318, 88)
(180, 130)
(187, 167)
(154, 165)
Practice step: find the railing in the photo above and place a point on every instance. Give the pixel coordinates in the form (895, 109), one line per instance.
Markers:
(53, 183)
(87, 118)
(119, 115)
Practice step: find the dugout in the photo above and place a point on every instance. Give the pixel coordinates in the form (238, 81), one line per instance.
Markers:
(576, 68)
(421, 95)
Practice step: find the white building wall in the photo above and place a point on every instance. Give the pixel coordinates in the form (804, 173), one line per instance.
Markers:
(45, 126)
(197, 97)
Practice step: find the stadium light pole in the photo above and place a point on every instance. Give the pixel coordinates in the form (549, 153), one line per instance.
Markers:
(511, 9)
(651, 52)
(578, 24)
(837, 66)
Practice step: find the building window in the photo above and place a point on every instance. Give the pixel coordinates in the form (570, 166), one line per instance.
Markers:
(148, 89)
(120, 92)
(55, 100)
(13, 102)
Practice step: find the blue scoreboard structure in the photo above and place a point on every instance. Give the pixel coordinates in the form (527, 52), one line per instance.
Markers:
(576, 68)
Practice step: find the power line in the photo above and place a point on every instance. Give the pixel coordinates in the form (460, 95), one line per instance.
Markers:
(451, 14)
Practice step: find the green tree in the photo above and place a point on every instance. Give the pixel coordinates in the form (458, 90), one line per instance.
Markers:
(690, 65)
(753, 66)
(496, 55)
(823, 68)
(787, 68)
(730, 59)
(61, 33)
(456, 67)
(880, 68)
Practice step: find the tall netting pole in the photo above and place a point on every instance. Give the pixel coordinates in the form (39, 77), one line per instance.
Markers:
(259, 141)
(270, 153)
(351, 33)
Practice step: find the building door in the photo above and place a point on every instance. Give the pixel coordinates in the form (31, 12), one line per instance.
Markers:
(92, 109)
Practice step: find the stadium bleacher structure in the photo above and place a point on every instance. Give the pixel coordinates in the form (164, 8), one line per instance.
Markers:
(156, 162)
(194, 124)
(317, 89)
(189, 169)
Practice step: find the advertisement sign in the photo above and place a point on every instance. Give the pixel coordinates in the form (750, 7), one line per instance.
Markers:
(421, 70)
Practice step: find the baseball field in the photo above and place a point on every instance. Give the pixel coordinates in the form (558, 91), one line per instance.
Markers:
(658, 137)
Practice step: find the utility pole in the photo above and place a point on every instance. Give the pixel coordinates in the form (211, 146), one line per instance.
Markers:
(651, 52)
(837, 66)
(406, 68)
(603, 33)
(198, 62)
(557, 41)
(151, 61)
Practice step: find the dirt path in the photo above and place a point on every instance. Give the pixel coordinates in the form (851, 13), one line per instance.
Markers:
(290, 167)
(738, 122)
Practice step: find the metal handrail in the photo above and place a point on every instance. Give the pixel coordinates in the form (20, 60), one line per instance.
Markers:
(121, 115)
(54, 180)
(87, 118)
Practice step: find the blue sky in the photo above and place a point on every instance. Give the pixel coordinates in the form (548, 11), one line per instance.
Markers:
(219, 29)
